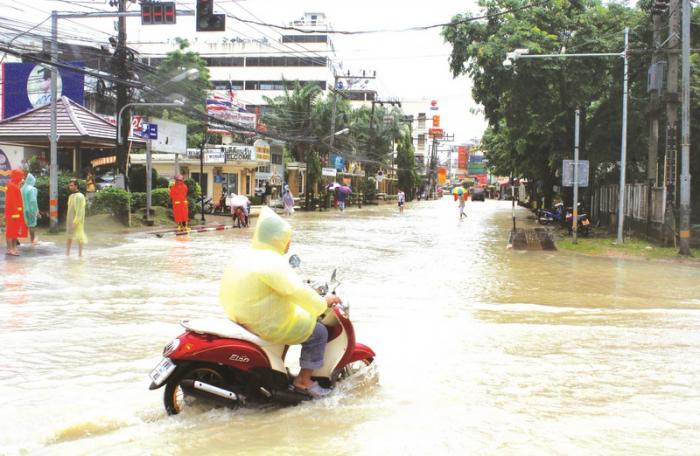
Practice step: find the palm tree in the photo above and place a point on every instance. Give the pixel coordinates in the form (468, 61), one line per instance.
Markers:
(291, 116)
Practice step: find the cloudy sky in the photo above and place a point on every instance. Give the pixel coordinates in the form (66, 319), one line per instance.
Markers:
(411, 65)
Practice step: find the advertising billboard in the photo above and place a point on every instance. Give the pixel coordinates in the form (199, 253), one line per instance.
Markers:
(337, 162)
(27, 86)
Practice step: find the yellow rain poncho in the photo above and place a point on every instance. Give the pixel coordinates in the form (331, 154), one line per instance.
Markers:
(75, 218)
(261, 292)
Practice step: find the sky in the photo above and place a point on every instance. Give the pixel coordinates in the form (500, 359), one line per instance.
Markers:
(411, 65)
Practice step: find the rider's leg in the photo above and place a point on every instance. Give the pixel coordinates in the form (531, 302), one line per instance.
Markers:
(312, 351)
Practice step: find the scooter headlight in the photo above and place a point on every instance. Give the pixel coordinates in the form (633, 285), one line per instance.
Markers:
(171, 347)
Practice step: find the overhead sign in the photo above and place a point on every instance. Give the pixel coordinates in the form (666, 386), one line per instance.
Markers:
(332, 172)
(567, 175)
(434, 105)
(171, 137)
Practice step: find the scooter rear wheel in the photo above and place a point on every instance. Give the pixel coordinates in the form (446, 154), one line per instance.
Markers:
(174, 397)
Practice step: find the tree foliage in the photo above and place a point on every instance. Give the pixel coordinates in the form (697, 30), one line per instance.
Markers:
(530, 107)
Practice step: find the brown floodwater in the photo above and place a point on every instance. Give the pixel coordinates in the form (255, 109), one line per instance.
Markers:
(479, 349)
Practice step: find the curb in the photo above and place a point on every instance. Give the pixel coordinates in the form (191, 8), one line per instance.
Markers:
(201, 229)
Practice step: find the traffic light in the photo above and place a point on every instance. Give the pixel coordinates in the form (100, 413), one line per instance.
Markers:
(158, 13)
(436, 120)
(207, 21)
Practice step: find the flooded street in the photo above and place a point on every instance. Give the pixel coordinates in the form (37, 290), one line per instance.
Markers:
(479, 350)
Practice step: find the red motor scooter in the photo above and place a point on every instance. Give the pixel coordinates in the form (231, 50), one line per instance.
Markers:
(219, 360)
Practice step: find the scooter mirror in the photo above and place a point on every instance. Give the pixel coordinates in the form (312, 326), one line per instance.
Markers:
(294, 261)
(333, 275)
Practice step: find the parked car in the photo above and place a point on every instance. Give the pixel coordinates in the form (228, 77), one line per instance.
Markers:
(477, 194)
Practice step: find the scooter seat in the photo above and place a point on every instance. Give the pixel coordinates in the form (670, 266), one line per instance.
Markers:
(223, 327)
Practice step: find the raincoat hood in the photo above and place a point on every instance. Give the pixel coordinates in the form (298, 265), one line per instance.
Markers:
(272, 232)
(16, 176)
(30, 180)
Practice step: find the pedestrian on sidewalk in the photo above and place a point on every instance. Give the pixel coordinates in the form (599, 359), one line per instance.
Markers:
(401, 198)
(268, 193)
(90, 187)
(15, 227)
(288, 200)
(75, 218)
(31, 206)
(178, 197)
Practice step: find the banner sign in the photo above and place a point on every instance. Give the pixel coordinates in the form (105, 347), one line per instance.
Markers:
(329, 172)
(462, 157)
(223, 105)
(234, 153)
(27, 86)
(214, 157)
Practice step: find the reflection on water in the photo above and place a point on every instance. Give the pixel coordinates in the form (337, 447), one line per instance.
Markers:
(480, 350)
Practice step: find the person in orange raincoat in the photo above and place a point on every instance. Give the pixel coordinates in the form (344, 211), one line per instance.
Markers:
(178, 196)
(15, 227)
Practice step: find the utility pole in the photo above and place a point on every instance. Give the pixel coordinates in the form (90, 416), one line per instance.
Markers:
(684, 232)
(53, 164)
(122, 95)
(654, 111)
(371, 126)
(671, 152)
(335, 89)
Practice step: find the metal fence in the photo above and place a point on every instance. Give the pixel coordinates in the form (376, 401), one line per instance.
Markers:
(640, 205)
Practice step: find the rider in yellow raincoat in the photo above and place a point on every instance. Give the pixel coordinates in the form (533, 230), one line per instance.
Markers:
(261, 292)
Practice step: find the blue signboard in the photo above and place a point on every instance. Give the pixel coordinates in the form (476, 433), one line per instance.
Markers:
(337, 162)
(28, 86)
(150, 131)
(476, 159)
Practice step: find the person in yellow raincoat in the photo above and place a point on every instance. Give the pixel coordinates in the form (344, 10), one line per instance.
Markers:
(261, 292)
(75, 218)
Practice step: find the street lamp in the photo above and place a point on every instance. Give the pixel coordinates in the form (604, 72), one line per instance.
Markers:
(517, 54)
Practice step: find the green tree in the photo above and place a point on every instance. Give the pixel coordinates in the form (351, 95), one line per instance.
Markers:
(530, 108)
(193, 93)
(291, 116)
(406, 163)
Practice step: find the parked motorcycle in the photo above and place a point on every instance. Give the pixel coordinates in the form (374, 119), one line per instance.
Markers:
(554, 215)
(220, 361)
(207, 203)
(582, 221)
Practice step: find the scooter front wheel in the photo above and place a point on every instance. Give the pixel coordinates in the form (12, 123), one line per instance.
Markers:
(176, 398)
(352, 368)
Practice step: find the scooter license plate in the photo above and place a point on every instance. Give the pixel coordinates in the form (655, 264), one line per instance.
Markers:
(162, 371)
(585, 222)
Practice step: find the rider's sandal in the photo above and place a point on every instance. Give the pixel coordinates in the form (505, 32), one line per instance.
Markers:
(315, 390)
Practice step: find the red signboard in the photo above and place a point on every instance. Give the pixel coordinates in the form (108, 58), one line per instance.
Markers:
(436, 132)
(462, 157)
